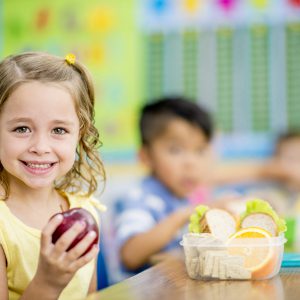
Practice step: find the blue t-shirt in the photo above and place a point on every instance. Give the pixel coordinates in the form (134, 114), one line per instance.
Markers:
(142, 207)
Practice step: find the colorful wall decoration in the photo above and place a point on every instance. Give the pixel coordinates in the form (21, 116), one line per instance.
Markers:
(236, 57)
(239, 58)
(103, 35)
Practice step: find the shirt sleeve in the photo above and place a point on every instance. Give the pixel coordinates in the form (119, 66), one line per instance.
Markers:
(91, 204)
(132, 216)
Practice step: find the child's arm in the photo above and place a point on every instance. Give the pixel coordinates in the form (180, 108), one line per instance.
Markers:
(245, 171)
(138, 249)
(56, 267)
(3, 279)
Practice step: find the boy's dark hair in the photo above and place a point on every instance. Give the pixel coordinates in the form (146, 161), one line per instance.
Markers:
(156, 115)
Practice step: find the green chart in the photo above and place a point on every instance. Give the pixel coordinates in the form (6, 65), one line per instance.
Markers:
(259, 35)
(293, 74)
(224, 58)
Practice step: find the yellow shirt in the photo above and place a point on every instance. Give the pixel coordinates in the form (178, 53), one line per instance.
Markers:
(21, 245)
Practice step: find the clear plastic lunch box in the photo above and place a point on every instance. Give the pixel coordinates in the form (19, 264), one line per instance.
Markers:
(241, 259)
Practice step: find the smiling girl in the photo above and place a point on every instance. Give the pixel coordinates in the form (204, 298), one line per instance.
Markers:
(48, 162)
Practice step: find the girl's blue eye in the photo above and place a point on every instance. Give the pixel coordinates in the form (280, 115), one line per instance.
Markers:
(22, 129)
(59, 130)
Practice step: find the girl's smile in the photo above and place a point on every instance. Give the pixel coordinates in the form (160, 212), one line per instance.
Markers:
(38, 168)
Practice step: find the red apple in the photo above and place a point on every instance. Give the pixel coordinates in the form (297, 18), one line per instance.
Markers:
(77, 215)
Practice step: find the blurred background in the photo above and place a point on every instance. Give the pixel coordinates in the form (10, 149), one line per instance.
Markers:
(239, 58)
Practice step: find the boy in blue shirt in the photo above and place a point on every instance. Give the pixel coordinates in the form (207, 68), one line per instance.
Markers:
(175, 147)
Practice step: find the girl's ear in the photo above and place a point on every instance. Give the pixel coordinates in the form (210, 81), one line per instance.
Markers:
(144, 156)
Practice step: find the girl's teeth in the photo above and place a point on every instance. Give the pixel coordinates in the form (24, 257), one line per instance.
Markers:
(38, 166)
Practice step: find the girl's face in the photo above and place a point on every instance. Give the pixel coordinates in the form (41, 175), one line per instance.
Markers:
(180, 158)
(39, 131)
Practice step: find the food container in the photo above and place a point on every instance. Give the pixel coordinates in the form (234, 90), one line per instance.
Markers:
(242, 258)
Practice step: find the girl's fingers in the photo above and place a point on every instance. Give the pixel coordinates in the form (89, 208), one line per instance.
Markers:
(80, 262)
(46, 236)
(66, 239)
(82, 246)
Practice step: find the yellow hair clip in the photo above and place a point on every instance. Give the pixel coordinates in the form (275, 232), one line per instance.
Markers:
(70, 58)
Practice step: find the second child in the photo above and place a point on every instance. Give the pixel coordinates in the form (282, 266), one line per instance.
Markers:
(175, 147)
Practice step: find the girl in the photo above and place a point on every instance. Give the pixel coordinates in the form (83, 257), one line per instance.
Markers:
(48, 157)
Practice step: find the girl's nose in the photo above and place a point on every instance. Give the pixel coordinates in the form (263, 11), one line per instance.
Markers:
(40, 145)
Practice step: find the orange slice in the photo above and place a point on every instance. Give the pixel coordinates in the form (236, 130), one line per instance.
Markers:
(251, 232)
(260, 257)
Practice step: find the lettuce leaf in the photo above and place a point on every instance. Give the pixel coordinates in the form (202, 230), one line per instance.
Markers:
(261, 206)
(195, 218)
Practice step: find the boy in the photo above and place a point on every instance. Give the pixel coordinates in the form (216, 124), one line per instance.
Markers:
(175, 146)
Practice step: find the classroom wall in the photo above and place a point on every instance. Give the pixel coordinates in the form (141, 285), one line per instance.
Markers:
(238, 58)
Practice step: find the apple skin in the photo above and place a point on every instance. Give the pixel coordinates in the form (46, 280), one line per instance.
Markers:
(77, 215)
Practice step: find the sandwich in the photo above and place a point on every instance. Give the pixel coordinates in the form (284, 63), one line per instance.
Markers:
(259, 213)
(218, 222)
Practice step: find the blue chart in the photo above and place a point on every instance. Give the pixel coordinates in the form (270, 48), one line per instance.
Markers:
(239, 59)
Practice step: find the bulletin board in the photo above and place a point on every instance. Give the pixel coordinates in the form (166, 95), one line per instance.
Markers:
(104, 36)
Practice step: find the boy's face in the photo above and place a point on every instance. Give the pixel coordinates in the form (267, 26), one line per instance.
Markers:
(180, 157)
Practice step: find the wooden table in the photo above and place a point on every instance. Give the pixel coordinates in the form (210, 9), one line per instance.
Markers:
(168, 280)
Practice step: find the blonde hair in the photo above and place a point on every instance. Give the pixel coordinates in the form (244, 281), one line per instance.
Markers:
(37, 66)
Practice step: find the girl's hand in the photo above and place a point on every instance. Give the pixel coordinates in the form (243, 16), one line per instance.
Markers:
(56, 267)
